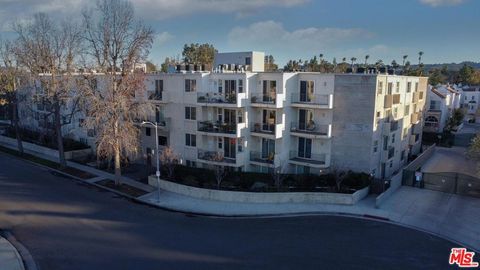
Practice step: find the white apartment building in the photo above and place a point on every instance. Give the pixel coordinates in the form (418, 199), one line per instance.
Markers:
(300, 122)
(304, 122)
(471, 98)
(442, 100)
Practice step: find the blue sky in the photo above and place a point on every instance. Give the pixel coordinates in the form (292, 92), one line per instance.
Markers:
(446, 30)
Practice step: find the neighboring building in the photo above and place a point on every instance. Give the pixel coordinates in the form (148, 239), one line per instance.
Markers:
(248, 61)
(471, 98)
(442, 100)
(259, 121)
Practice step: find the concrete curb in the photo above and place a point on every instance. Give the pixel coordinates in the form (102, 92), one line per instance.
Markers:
(24, 255)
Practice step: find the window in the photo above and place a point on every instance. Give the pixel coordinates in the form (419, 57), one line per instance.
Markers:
(158, 88)
(220, 143)
(190, 113)
(248, 60)
(416, 86)
(220, 86)
(240, 117)
(397, 88)
(191, 163)
(409, 87)
(240, 86)
(162, 140)
(407, 110)
(393, 138)
(380, 88)
(375, 146)
(395, 112)
(390, 88)
(190, 85)
(434, 105)
(191, 140)
(148, 131)
(379, 114)
(391, 164)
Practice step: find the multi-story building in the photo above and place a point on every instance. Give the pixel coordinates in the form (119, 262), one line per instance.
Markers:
(306, 122)
(442, 100)
(471, 98)
(299, 122)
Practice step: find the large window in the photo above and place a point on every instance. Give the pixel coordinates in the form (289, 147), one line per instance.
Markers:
(409, 87)
(269, 91)
(190, 113)
(159, 88)
(190, 85)
(191, 140)
(307, 89)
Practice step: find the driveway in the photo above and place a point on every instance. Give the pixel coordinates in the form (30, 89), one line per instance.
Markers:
(450, 160)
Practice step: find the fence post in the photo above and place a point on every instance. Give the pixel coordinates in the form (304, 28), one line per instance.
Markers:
(456, 184)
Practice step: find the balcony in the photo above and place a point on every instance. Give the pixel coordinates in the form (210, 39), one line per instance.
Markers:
(217, 158)
(388, 101)
(312, 101)
(396, 99)
(415, 97)
(220, 129)
(387, 127)
(157, 96)
(271, 131)
(305, 159)
(311, 130)
(259, 157)
(261, 100)
(414, 118)
(230, 100)
(163, 123)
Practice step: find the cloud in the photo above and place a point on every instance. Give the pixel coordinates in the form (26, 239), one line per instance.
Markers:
(437, 3)
(11, 10)
(272, 36)
(162, 38)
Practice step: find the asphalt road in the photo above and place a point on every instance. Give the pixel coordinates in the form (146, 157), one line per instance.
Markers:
(66, 224)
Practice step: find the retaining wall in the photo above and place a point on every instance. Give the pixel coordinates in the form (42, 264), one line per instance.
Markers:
(37, 149)
(261, 197)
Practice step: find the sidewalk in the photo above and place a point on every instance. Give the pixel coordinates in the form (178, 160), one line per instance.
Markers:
(9, 257)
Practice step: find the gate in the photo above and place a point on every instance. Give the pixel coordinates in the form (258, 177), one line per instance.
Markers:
(454, 183)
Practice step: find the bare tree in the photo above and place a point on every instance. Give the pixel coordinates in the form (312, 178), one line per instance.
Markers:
(10, 77)
(48, 51)
(116, 42)
(169, 160)
(339, 176)
(279, 174)
(219, 170)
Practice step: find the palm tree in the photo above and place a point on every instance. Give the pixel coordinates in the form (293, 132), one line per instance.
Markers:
(321, 57)
(366, 59)
(394, 66)
(344, 59)
(353, 59)
(420, 54)
(404, 59)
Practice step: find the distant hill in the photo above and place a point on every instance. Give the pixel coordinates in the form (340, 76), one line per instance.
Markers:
(451, 66)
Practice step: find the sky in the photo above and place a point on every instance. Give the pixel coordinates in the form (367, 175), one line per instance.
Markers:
(445, 30)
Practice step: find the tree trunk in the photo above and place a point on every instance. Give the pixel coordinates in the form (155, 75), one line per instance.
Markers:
(118, 170)
(17, 127)
(58, 131)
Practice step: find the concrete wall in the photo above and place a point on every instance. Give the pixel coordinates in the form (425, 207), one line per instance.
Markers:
(37, 149)
(260, 197)
(395, 184)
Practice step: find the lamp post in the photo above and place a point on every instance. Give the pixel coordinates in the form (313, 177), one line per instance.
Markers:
(157, 173)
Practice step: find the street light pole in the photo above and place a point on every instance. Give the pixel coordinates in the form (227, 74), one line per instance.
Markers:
(157, 173)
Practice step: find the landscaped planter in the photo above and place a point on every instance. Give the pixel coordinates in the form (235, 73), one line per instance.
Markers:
(37, 149)
(260, 197)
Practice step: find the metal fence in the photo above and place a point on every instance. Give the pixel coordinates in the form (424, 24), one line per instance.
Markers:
(450, 182)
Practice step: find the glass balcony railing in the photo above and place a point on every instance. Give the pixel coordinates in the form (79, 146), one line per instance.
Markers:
(318, 159)
(214, 156)
(314, 99)
(217, 127)
(260, 157)
(310, 128)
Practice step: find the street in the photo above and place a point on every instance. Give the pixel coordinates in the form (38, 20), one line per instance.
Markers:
(66, 224)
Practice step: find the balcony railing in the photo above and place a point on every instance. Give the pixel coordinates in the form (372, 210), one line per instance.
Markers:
(310, 128)
(317, 159)
(314, 99)
(156, 96)
(396, 99)
(263, 128)
(262, 158)
(216, 98)
(264, 99)
(217, 127)
(214, 156)
(388, 101)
